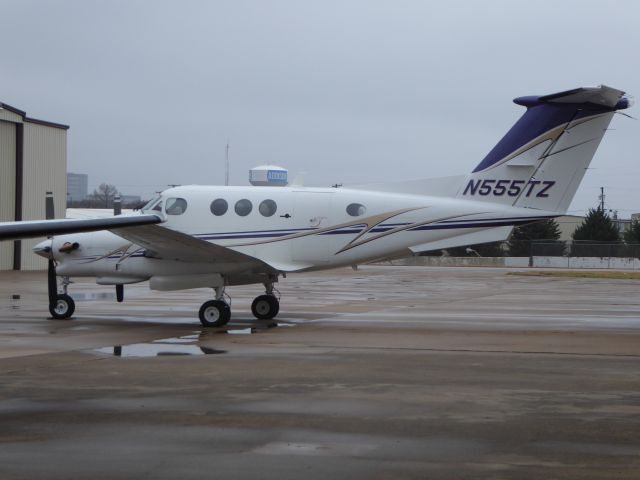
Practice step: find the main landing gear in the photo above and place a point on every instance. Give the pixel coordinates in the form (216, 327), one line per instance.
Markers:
(61, 305)
(267, 306)
(217, 313)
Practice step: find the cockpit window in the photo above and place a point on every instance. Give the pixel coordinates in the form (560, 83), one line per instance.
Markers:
(176, 206)
(157, 207)
(151, 203)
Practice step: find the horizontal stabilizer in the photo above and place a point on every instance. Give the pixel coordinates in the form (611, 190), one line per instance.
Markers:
(602, 96)
(497, 234)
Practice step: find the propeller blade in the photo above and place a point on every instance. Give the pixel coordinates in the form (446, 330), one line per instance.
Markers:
(52, 282)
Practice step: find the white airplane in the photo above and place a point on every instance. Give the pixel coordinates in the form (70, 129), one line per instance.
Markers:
(213, 236)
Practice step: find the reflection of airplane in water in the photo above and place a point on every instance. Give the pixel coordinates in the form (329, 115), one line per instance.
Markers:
(199, 236)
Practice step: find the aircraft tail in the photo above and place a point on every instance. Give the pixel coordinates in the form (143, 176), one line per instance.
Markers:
(541, 161)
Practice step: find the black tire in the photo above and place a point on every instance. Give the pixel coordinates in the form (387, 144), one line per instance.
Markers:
(62, 308)
(265, 307)
(214, 313)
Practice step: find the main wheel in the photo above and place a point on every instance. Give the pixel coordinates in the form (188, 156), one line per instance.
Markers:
(214, 313)
(265, 307)
(63, 307)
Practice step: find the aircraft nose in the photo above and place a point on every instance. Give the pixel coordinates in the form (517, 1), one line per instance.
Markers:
(44, 249)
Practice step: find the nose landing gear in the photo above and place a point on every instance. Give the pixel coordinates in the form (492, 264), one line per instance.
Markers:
(61, 305)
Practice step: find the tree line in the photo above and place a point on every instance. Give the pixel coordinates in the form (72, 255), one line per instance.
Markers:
(102, 197)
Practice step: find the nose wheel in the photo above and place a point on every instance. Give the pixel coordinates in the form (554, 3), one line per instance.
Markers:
(62, 307)
(265, 307)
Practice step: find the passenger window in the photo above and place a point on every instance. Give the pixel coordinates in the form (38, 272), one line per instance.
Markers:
(243, 207)
(267, 208)
(219, 207)
(176, 206)
(356, 209)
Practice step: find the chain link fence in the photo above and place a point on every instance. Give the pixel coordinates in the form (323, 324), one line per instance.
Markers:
(579, 248)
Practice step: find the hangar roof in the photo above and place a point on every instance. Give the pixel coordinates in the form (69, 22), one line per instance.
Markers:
(23, 114)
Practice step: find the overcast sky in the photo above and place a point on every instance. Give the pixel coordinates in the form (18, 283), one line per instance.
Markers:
(346, 91)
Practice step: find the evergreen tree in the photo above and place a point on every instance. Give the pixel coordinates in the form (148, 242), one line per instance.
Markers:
(633, 234)
(597, 226)
(520, 239)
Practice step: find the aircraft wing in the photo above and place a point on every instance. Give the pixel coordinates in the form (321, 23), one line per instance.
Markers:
(165, 243)
(40, 228)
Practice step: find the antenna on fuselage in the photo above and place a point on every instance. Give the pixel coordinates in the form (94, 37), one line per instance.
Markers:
(226, 164)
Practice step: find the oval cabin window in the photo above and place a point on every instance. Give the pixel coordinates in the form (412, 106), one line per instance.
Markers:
(219, 207)
(267, 208)
(243, 207)
(356, 209)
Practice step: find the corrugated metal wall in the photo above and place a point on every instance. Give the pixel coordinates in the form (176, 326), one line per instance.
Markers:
(7, 186)
(10, 116)
(45, 170)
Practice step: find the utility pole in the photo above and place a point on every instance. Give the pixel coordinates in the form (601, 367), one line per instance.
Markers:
(601, 197)
(226, 164)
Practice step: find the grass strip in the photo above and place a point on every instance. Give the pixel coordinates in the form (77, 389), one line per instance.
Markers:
(606, 274)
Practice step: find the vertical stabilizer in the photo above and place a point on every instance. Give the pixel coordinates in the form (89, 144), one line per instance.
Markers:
(542, 159)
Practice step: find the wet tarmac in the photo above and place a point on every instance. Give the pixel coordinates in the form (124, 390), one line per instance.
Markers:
(386, 372)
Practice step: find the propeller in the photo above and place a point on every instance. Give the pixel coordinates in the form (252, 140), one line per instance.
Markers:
(52, 282)
(117, 210)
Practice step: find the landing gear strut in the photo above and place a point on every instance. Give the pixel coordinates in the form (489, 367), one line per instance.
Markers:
(215, 313)
(267, 306)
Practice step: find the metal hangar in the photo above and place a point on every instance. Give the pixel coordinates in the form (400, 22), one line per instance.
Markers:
(33, 161)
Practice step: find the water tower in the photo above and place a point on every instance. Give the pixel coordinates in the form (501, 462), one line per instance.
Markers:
(268, 176)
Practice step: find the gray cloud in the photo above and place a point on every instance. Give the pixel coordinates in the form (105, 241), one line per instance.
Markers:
(347, 91)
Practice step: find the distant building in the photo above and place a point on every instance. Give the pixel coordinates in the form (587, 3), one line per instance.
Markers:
(568, 225)
(77, 187)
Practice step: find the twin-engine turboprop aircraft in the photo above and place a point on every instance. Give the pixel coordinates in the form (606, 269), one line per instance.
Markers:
(212, 236)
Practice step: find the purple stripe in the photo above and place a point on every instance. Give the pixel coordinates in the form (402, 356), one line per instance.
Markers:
(538, 119)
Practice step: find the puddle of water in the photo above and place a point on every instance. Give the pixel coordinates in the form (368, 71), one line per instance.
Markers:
(241, 331)
(157, 350)
(257, 328)
(15, 301)
(178, 340)
(184, 345)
